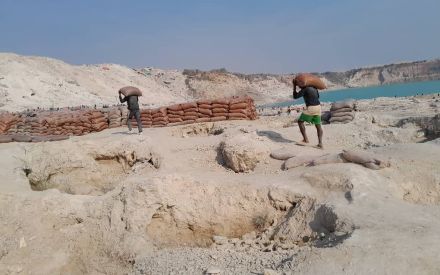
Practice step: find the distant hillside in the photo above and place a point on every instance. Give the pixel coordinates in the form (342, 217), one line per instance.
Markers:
(387, 74)
(28, 82)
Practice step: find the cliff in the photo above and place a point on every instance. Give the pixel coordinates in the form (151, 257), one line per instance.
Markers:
(387, 74)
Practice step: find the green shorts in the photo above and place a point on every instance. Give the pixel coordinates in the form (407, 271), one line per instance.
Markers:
(312, 119)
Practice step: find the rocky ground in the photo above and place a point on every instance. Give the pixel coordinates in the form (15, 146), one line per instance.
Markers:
(208, 198)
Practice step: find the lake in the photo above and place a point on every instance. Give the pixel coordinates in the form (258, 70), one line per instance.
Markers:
(392, 90)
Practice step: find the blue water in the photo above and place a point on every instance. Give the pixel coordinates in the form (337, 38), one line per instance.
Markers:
(392, 90)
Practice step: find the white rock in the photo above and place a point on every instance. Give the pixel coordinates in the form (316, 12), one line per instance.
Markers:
(213, 270)
(22, 242)
(270, 272)
(220, 239)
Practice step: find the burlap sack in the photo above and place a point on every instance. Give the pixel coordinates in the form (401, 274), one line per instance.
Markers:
(219, 110)
(327, 159)
(242, 105)
(174, 116)
(191, 114)
(220, 101)
(205, 106)
(157, 115)
(298, 161)
(223, 106)
(98, 120)
(160, 119)
(356, 156)
(186, 118)
(175, 107)
(190, 110)
(180, 113)
(342, 110)
(204, 101)
(239, 111)
(189, 105)
(342, 104)
(304, 80)
(205, 111)
(130, 90)
(282, 154)
(342, 114)
(162, 110)
(219, 114)
(219, 118)
(174, 120)
(95, 114)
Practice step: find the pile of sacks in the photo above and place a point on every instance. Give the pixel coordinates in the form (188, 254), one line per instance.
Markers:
(364, 158)
(35, 126)
(7, 120)
(61, 123)
(28, 138)
(237, 108)
(114, 117)
(342, 112)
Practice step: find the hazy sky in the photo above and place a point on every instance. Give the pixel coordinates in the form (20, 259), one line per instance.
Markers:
(240, 35)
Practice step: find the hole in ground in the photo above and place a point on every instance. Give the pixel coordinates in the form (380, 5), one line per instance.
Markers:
(269, 219)
(200, 129)
(81, 177)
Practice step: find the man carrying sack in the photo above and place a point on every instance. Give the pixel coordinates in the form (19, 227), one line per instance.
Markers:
(131, 96)
(309, 85)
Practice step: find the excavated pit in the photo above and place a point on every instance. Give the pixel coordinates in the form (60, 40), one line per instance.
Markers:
(97, 179)
(199, 129)
(83, 170)
(263, 218)
(429, 125)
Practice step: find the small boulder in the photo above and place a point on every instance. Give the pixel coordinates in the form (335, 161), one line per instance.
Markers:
(242, 153)
(282, 154)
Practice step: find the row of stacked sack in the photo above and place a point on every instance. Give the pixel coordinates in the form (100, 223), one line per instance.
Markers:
(47, 126)
(340, 112)
(242, 108)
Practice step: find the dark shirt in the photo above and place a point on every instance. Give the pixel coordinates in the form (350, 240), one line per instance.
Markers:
(310, 94)
(132, 102)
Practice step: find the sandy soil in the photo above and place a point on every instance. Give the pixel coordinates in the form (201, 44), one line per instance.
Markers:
(165, 203)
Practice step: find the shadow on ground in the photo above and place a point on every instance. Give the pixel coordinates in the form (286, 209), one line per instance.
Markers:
(274, 136)
(125, 133)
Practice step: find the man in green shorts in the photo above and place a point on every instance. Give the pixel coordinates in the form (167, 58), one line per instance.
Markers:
(313, 112)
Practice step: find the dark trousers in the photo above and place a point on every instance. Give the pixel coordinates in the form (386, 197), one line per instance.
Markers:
(137, 115)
